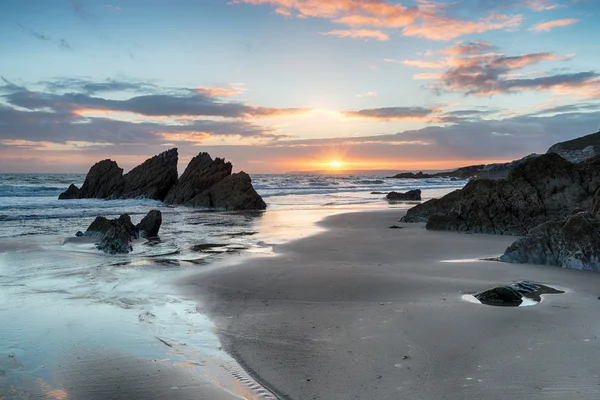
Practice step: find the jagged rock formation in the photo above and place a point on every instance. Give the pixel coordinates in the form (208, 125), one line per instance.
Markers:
(578, 150)
(201, 174)
(115, 235)
(204, 183)
(541, 189)
(411, 195)
(152, 179)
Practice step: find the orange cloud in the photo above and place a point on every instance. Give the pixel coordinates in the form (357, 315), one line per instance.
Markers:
(427, 19)
(394, 114)
(359, 33)
(468, 48)
(444, 28)
(233, 89)
(541, 5)
(549, 25)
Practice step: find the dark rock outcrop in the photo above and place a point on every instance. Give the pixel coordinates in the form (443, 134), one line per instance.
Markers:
(205, 183)
(201, 174)
(115, 235)
(570, 243)
(153, 178)
(480, 171)
(236, 193)
(104, 181)
(578, 150)
(541, 189)
(150, 224)
(71, 193)
(411, 195)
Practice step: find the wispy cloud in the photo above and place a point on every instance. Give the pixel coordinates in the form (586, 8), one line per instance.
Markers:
(359, 33)
(549, 25)
(367, 94)
(394, 113)
(61, 42)
(427, 19)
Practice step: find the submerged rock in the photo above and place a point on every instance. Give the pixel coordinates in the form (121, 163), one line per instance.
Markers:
(150, 224)
(72, 192)
(115, 235)
(411, 195)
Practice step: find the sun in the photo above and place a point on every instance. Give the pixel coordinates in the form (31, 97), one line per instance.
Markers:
(335, 164)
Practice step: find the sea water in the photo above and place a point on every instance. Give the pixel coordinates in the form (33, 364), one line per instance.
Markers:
(59, 298)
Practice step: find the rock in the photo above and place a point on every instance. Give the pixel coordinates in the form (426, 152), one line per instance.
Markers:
(103, 181)
(205, 183)
(512, 295)
(116, 241)
(115, 235)
(153, 178)
(79, 234)
(411, 195)
(500, 296)
(541, 189)
(412, 175)
(580, 149)
(571, 243)
(150, 224)
(236, 193)
(72, 192)
(201, 174)
(595, 208)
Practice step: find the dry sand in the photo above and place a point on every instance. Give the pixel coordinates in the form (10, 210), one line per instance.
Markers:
(362, 311)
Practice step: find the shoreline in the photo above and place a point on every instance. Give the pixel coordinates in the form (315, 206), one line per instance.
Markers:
(315, 280)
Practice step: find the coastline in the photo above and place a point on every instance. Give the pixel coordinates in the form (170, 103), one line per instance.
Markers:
(359, 310)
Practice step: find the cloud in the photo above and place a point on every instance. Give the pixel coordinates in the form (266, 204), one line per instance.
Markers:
(541, 5)
(445, 28)
(367, 94)
(184, 102)
(359, 33)
(62, 43)
(222, 91)
(473, 70)
(393, 113)
(44, 126)
(427, 19)
(469, 48)
(549, 25)
(80, 10)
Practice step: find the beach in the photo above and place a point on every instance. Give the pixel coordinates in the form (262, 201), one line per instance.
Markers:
(362, 311)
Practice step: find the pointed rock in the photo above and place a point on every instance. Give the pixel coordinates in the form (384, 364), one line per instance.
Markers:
(72, 192)
(153, 178)
(236, 193)
(104, 181)
(201, 174)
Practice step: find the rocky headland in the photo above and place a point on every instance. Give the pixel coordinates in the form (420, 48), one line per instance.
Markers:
(205, 183)
(550, 201)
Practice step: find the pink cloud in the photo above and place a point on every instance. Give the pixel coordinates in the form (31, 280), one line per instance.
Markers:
(549, 25)
(359, 33)
(427, 19)
(445, 28)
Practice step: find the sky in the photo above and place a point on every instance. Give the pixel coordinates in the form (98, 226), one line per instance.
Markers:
(282, 85)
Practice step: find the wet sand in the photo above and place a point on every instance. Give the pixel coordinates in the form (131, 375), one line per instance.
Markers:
(361, 311)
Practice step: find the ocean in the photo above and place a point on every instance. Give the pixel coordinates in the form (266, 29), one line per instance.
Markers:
(62, 301)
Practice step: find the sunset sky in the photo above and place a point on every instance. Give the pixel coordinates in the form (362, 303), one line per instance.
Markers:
(280, 85)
